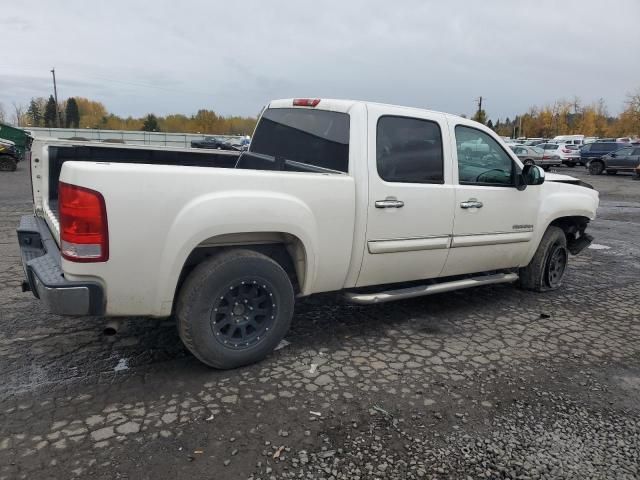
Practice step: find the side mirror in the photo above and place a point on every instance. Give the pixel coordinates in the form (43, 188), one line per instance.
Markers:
(531, 175)
(613, 155)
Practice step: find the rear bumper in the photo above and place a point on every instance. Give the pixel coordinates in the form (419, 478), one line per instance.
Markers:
(44, 275)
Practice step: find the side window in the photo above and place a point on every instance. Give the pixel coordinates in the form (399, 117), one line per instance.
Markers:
(636, 151)
(624, 152)
(409, 150)
(586, 148)
(481, 160)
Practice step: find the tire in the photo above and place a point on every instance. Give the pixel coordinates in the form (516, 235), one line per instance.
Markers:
(611, 172)
(548, 265)
(7, 164)
(596, 167)
(240, 285)
(571, 164)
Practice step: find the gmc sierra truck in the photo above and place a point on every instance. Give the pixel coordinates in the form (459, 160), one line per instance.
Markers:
(374, 202)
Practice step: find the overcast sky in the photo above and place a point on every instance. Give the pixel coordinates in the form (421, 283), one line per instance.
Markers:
(166, 56)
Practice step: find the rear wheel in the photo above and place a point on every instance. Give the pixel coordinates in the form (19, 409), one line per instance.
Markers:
(547, 268)
(596, 167)
(234, 308)
(7, 164)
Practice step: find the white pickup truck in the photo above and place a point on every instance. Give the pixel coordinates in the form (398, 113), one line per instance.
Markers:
(377, 202)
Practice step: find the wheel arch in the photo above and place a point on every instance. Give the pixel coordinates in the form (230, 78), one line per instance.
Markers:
(284, 248)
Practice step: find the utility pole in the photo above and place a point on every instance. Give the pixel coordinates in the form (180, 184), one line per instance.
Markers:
(55, 96)
(479, 104)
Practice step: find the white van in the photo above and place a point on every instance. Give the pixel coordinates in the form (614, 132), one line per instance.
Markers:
(569, 139)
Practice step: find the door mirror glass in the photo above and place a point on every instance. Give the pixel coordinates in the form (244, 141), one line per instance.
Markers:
(533, 175)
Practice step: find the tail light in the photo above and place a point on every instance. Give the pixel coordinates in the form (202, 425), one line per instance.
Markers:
(306, 102)
(566, 150)
(84, 235)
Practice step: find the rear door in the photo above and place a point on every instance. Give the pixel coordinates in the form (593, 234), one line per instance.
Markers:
(494, 221)
(410, 210)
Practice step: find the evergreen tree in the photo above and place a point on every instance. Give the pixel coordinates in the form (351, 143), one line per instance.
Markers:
(490, 124)
(480, 116)
(151, 123)
(51, 113)
(72, 114)
(34, 113)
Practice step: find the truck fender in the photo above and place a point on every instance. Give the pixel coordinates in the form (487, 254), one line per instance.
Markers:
(234, 212)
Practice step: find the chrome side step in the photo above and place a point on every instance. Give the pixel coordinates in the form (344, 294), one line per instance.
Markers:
(402, 293)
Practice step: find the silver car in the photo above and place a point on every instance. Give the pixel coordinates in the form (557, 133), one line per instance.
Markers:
(536, 156)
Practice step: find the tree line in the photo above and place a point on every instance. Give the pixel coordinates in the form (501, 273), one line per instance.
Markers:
(79, 112)
(563, 117)
(566, 117)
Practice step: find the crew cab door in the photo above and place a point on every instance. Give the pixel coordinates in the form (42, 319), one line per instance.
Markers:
(494, 221)
(410, 209)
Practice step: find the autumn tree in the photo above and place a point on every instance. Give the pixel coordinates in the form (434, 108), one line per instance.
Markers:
(72, 114)
(92, 113)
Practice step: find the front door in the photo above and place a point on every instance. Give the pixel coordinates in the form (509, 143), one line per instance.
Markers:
(494, 221)
(411, 197)
(624, 159)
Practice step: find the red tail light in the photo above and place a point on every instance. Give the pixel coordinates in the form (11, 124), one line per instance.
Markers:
(306, 102)
(84, 236)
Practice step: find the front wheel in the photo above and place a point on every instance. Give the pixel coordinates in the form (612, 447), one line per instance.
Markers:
(234, 308)
(547, 268)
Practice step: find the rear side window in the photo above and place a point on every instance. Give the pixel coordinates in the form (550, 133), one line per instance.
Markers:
(409, 150)
(315, 137)
(602, 147)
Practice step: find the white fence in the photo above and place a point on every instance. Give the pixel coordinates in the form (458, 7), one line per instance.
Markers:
(127, 136)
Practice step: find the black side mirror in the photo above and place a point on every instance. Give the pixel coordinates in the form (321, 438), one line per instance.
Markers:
(613, 155)
(531, 175)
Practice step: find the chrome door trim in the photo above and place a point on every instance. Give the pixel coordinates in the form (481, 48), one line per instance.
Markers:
(492, 238)
(413, 244)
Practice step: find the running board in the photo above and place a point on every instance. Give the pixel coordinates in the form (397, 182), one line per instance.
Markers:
(402, 293)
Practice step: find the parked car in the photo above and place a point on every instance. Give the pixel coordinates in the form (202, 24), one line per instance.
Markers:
(332, 196)
(569, 154)
(596, 150)
(625, 159)
(8, 156)
(212, 143)
(536, 156)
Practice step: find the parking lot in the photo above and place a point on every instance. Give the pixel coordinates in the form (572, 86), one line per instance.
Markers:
(493, 382)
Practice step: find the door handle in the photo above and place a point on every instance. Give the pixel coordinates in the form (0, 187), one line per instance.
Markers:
(471, 203)
(389, 203)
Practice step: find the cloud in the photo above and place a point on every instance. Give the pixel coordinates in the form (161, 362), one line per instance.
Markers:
(167, 56)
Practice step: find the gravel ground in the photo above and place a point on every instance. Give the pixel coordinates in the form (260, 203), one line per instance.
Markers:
(492, 382)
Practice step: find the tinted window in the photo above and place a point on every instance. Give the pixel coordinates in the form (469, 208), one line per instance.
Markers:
(409, 150)
(623, 152)
(316, 137)
(636, 151)
(481, 160)
(602, 147)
